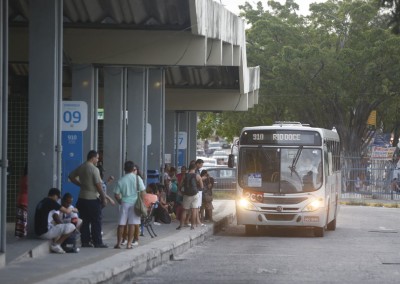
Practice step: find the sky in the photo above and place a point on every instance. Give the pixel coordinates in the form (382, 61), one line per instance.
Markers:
(232, 5)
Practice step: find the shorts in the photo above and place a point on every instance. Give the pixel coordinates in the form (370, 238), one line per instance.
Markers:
(127, 215)
(200, 197)
(190, 202)
(58, 230)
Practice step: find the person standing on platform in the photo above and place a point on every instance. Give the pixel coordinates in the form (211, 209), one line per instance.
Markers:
(126, 193)
(90, 201)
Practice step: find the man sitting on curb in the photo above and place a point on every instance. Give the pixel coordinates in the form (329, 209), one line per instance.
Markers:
(45, 226)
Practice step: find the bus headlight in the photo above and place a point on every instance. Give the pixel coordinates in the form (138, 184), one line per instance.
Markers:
(314, 205)
(246, 204)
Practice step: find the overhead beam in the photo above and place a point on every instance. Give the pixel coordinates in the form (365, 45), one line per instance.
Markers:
(131, 47)
(205, 100)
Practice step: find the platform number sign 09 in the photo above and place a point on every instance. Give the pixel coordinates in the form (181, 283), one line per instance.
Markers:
(74, 116)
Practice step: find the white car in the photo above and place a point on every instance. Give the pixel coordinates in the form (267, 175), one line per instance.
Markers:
(213, 146)
(221, 157)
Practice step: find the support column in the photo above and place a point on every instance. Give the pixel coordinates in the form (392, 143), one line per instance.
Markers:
(155, 151)
(4, 125)
(137, 117)
(183, 125)
(84, 89)
(45, 101)
(113, 132)
(192, 135)
(113, 156)
(170, 135)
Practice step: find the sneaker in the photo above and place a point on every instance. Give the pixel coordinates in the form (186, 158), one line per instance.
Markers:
(56, 248)
(135, 243)
(123, 243)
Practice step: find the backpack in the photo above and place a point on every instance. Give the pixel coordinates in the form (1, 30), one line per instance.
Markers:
(190, 185)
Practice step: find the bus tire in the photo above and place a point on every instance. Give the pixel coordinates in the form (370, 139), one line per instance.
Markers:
(319, 232)
(251, 230)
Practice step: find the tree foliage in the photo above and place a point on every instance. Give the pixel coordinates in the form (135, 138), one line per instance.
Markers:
(393, 21)
(328, 69)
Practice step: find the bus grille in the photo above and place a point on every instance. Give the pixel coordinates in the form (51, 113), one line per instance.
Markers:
(280, 217)
(283, 209)
(283, 200)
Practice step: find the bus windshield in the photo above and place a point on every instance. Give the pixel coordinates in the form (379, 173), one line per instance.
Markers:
(280, 170)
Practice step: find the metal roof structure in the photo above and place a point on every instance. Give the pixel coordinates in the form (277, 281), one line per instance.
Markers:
(200, 44)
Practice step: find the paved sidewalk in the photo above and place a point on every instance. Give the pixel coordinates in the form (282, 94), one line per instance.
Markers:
(29, 260)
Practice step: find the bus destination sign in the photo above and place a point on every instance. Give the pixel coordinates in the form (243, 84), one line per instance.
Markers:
(281, 137)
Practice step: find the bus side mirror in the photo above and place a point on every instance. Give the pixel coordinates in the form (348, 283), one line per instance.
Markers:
(231, 161)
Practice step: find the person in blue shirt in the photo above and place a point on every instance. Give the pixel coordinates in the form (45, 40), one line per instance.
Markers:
(126, 194)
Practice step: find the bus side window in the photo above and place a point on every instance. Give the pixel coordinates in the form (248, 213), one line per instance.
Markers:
(326, 163)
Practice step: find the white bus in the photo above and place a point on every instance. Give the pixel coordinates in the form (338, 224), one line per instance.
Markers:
(288, 175)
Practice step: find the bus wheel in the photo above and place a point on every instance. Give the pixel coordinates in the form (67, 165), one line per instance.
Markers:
(319, 232)
(251, 230)
(332, 225)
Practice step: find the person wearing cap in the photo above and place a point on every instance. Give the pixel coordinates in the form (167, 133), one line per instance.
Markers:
(46, 225)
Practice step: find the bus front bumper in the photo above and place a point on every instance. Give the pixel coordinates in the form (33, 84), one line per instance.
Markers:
(316, 218)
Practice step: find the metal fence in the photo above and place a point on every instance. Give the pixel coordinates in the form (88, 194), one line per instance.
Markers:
(368, 179)
(362, 179)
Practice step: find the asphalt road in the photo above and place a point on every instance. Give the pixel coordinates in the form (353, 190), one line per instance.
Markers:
(365, 248)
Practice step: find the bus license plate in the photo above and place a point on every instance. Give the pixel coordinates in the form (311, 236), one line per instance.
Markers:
(311, 219)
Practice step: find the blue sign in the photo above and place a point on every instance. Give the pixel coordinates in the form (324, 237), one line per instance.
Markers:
(382, 139)
(72, 157)
(181, 157)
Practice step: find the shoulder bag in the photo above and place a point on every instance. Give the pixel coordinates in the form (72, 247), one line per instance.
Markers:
(140, 208)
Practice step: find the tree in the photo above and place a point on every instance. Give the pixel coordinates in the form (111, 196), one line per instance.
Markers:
(330, 69)
(394, 18)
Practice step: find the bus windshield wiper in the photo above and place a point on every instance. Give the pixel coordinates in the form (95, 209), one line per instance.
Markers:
(295, 160)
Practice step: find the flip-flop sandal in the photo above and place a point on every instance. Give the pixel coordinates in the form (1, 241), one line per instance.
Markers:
(129, 247)
(117, 247)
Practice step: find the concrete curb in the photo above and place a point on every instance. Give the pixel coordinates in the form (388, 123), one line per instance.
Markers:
(40, 250)
(131, 263)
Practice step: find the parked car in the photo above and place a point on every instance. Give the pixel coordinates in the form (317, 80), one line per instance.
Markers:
(200, 152)
(221, 157)
(224, 177)
(213, 146)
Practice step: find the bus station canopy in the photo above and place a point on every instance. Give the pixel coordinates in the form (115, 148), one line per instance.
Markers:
(200, 44)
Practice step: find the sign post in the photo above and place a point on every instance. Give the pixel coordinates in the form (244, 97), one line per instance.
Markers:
(182, 146)
(74, 123)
